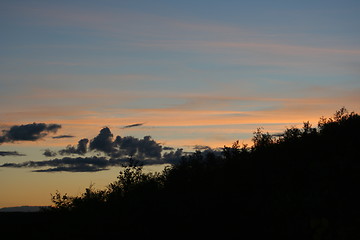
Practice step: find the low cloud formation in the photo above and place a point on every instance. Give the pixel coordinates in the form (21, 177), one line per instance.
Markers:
(28, 132)
(10, 153)
(80, 149)
(117, 152)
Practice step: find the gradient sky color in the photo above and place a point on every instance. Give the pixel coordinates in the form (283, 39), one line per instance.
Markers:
(192, 72)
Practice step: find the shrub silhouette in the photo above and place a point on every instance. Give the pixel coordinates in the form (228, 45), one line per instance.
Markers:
(301, 184)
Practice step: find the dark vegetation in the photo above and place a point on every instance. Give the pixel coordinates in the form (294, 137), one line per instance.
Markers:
(301, 184)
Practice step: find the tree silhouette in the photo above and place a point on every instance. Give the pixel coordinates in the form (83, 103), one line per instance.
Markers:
(302, 184)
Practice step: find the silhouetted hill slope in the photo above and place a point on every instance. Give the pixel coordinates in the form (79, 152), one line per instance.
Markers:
(302, 184)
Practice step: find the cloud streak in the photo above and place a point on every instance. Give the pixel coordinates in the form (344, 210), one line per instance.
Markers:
(10, 153)
(133, 125)
(63, 136)
(88, 164)
(79, 164)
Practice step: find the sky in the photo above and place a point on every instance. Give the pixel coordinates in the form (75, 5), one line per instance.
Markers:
(83, 84)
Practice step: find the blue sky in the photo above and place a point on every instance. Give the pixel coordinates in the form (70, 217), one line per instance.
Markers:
(194, 72)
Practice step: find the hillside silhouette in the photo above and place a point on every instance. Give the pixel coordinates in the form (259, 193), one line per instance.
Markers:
(300, 184)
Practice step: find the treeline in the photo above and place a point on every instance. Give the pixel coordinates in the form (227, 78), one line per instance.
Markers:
(300, 184)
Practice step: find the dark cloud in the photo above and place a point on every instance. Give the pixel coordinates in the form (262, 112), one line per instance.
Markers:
(10, 153)
(82, 164)
(82, 146)
(173, 156)
(103, 141)
(133, 125)
(28, 132)
(49, 153)
(149, 148)
(168, 148)
(82, 168)
(201, 148)
(63, 136)
(126, 146)
(51, 127)
(78, 164)
(80, 149)
(138, 148)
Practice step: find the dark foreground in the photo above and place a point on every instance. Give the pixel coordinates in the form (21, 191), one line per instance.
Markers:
(302, 184)
(232, 224)
(55, 226)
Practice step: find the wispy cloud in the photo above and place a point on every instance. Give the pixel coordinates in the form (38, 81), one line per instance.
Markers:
(283, 49)
(133, 125)
(167, 32)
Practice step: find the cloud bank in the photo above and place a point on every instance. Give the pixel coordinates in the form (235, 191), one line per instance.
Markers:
(115, 152)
